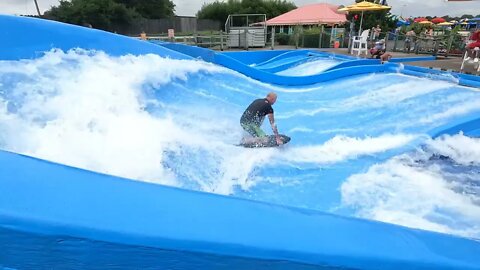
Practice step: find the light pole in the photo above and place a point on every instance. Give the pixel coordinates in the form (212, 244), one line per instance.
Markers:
(38, 9)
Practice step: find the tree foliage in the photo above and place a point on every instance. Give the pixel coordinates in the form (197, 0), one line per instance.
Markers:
(108, 14)
(457, 18)
(151, 9)
(219, 10)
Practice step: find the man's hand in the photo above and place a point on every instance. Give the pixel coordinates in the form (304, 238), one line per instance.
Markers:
(279, 140)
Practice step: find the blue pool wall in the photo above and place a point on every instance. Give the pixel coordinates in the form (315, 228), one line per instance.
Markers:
(27, 38)
(46, 198)
(54, 199)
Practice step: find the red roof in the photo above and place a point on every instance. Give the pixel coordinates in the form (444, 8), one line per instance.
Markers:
(310, 14)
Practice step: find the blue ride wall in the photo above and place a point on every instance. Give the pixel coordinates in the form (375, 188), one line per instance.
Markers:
(52, 199)
(25, 38)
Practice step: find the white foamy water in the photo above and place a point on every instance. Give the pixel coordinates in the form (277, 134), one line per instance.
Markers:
(309, 68)
(379, 97)
(341, 148)
(88, 110)
(414, 191)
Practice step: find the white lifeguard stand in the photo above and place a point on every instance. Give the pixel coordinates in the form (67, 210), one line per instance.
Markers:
(472, 60)
(246, 30)
(359, 43)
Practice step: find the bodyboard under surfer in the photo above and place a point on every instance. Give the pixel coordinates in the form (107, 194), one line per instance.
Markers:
(268, 141)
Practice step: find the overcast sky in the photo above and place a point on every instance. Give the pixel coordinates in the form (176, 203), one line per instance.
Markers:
(190, 7)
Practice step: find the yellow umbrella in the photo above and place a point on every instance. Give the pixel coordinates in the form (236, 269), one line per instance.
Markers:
(425, 22)
(362, 7)
(445, 24)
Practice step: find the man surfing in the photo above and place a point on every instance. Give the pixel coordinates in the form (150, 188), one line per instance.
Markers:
(253, 117)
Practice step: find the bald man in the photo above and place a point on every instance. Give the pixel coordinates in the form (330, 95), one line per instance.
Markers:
(253, 117)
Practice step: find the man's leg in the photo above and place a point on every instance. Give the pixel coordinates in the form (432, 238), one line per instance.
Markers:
(259, 132)
(248, 128)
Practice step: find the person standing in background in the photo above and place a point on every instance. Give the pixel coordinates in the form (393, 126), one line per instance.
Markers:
(376, 32)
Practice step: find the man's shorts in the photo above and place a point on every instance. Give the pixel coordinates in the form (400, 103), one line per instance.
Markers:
(253, 130)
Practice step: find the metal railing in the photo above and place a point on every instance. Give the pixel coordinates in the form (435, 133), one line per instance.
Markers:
(207, 41)
(322, 39)
(246, 30)
(439, 44)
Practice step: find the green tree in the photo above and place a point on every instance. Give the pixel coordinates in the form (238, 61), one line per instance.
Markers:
(219, 10)
(101, 14)
(151, 9)
(466, 16)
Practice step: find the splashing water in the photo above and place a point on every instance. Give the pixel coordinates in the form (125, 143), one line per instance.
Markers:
(435, 188)
(309, 68)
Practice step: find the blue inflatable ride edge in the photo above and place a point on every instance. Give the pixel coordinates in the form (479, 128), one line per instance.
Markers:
(258, 74)
(469, 125)
(54, 199)
(48, 198)
(27, 38)
(265, 56)
(412, 59)
(255, 57)
(454, 77)
(353, 66)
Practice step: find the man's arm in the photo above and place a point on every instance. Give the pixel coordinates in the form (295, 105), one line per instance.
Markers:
(272, 123)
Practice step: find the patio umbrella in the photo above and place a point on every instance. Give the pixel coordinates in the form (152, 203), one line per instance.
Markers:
(425, 22)
(421, 19)
(438, 20)
(445, 24)
(362, 7)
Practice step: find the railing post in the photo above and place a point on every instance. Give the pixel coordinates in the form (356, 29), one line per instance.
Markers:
(417, 42)
(395, 42)
(246, 39)
(320, 37)
(273, 38)
(435, 47)
(350, 35)
(221, 40)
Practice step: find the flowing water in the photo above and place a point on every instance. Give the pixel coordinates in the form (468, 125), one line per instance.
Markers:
(359, 145)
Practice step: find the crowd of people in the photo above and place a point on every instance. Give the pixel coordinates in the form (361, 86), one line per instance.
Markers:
(378, 45)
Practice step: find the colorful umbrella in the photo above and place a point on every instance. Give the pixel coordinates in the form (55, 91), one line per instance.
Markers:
(445, 24)
(438, 20)
(421, 19)
(362, 7)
